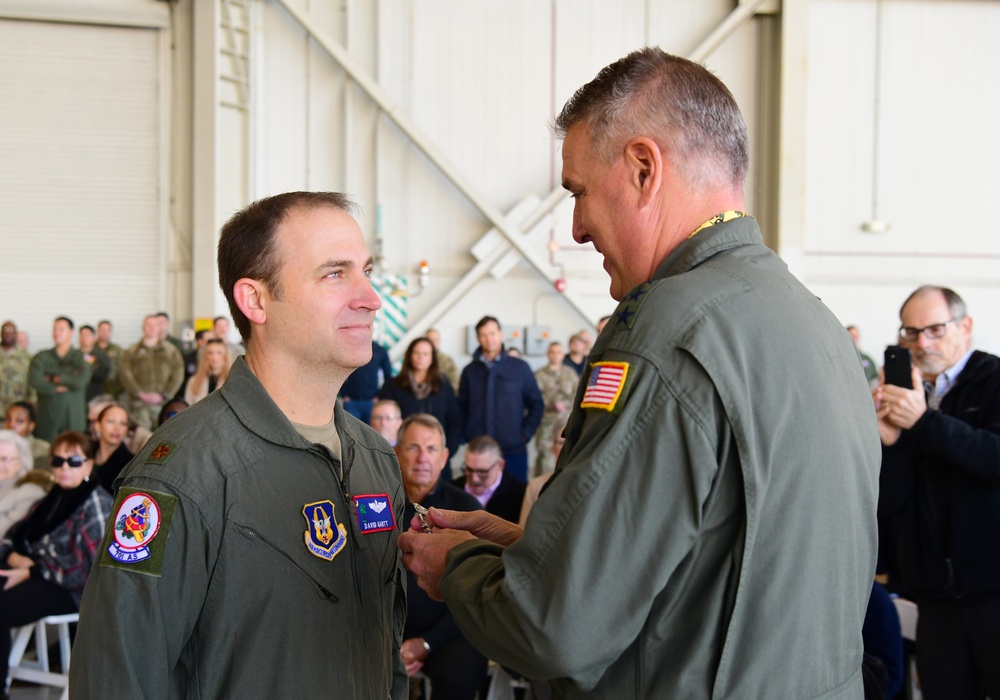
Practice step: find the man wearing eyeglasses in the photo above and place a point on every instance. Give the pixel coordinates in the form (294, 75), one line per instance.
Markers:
(939, 501)
(499, 491)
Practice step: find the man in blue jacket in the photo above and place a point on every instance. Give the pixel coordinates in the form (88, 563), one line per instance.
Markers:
(499, 397)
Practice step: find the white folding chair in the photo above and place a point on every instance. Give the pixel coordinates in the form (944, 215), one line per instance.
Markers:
(37, 670)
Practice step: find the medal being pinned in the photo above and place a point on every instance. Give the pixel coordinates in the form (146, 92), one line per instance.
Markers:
(324, 536)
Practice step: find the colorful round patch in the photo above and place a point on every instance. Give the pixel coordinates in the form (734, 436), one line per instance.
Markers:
(136, 524)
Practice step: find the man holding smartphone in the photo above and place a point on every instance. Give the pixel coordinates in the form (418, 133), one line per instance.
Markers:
(939, 502)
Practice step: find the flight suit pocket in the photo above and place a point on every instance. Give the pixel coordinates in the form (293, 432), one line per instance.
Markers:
(276, 556)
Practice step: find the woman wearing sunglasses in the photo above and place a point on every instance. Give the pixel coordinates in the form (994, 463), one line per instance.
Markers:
(46, 558)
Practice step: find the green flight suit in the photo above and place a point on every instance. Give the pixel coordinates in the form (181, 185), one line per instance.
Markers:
(58, 411)
(710, 532)
(239, 606)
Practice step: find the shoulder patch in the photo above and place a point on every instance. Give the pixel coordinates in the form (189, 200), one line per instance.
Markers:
(162, 452)
(138, 534)
(606, 386)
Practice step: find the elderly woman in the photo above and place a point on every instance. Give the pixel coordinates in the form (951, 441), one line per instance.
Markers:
(47, 557)
(20, 487)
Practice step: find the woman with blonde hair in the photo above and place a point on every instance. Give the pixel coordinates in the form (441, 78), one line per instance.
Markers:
(213, 369)
(20, 486)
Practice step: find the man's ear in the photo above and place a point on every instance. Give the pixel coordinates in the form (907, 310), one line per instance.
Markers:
(250, 297)
(644, 162)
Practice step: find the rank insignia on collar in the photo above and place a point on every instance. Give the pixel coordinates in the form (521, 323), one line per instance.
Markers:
(606, 385)
(162, 452)
(136, 540)
(374, 513)
(324, 536)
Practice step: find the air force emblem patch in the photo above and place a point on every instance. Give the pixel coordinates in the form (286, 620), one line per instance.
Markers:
(324, 536)
(374, 513)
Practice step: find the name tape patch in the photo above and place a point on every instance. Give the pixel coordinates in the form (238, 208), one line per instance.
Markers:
(374, 512)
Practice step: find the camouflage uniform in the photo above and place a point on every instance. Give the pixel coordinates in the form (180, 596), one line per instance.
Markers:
(448, 368)
(158, 369)
(14, 364)
(559, 385)
(113, 384)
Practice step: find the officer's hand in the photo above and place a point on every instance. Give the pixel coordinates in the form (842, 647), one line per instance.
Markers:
(425, 555)
(413, 653)
(483, 525)
(906, 406)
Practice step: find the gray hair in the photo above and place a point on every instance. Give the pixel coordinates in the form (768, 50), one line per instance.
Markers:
(680, 104)
(956, 306)
(23, 448)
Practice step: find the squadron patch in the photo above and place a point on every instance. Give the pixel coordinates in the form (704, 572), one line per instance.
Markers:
(324, 537)
(138, 536)
(606, 385)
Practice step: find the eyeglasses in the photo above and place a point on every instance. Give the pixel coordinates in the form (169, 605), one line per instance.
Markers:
(481, 473)
(74, 461)
(932, 332)
(5, 460)
(384, 419)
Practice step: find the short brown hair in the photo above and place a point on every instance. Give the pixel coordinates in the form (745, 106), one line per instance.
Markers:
(71, 439)
(246, 243)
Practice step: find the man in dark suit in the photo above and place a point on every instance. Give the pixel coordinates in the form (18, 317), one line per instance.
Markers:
(499, 491)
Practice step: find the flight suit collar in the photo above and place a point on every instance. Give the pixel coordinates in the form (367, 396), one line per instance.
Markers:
(707, 243)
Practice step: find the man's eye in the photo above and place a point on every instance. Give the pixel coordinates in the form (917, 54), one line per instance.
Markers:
(368, 272)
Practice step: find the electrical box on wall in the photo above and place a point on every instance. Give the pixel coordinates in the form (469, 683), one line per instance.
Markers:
(537, 339)
(513, 337)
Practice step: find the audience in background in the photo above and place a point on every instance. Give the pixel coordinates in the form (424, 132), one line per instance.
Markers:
(386, 419)
(111, 454)
(100, 364)
(496, 489)
(20, 485)
(60, 377)
(446, 364)
(112, 385)
(421, 387)
(557, 382)
(152, 371)
(20, 417)
(213, 369)
(14, 364)
(47, 557)
(576, 358)
(361, 388)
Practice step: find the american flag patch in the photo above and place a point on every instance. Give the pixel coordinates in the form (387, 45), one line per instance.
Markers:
(605, 386)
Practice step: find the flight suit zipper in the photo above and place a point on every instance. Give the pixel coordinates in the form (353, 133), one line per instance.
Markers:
(253, 535)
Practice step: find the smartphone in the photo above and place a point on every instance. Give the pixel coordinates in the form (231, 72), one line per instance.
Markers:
(898, 368)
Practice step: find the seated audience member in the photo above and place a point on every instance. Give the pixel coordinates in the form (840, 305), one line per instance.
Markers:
(111, 453)
(882, 666)
(421, 387)
(47, 557)
(386, 419)
(432, 642)
(192, 358)
(20, 486)
(20, 418)
(137, 434)
(170, 409)
(499, 492)
(213, 369)
(361, 387)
